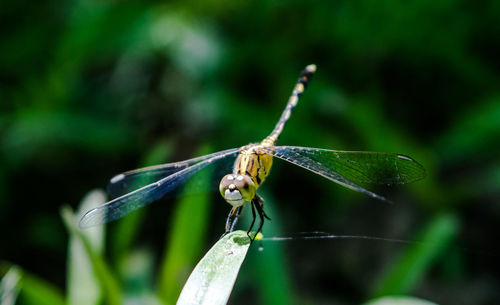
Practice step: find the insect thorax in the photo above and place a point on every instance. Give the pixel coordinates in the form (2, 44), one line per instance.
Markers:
(253, 163)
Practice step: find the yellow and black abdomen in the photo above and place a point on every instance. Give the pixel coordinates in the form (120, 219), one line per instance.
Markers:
(251, 161)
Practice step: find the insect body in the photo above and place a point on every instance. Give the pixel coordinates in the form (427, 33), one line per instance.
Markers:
(253, 164)
(137, 188)
(250, 169)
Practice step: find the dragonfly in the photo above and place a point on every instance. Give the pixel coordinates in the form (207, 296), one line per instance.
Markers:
(252, 164)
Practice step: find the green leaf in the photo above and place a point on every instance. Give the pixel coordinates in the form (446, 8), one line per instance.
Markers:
(109, 285)
(213, 278)
(83, 285)
(418, 258)
(37, 291)
(399, 300)
(9, 286)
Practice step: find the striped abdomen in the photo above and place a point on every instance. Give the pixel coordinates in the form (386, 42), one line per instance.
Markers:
(302, 82)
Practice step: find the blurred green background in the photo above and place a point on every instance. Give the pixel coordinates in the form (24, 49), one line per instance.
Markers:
(92, 88)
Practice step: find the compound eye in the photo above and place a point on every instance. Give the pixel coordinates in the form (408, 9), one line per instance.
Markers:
(237, 188)
(229, 189)
(243, 181)
(227, 182)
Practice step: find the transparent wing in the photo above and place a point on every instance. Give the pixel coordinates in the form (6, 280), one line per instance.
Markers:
(143, 196)
(351, 167)
(129, 181)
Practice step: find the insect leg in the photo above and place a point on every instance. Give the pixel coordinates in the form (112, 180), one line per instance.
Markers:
(253, 219)
(260, 210)
(261, 204)
(236, 217)
(228, 220)
(231, 222)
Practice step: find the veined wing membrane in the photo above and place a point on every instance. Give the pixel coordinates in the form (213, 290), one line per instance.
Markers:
(143, 196)
(129, 181)
(351, 167)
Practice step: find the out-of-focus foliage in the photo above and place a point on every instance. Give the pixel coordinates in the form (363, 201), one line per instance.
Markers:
(92, 88)
(89, 253)
(21, 287)
(82, 281)
(399, 301)
(9, 286)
